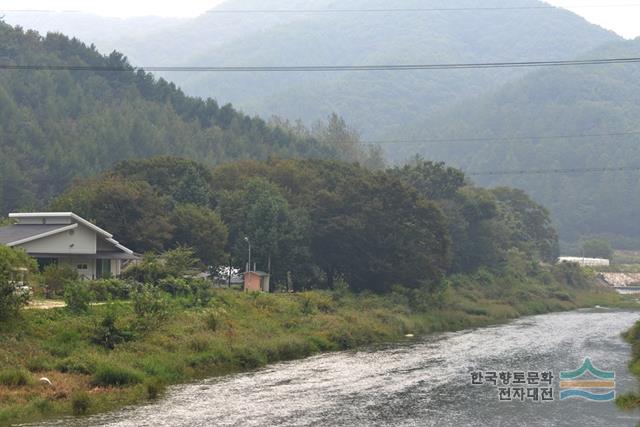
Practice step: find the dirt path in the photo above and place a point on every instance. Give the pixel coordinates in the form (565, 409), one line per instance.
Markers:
(45, 305)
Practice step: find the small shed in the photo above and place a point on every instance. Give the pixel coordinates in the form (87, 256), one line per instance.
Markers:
(256, 281)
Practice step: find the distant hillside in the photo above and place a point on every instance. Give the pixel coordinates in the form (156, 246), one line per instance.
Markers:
(59, 125)
(594, 100)
(374, 102)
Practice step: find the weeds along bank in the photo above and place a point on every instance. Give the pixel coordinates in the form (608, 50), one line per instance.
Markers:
(103, 357)
(631, 401)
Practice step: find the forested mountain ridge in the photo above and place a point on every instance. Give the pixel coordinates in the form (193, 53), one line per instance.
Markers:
(373, 102)
(521, 122)
(58, 125)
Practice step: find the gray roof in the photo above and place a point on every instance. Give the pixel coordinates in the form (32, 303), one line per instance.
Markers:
(14, 233)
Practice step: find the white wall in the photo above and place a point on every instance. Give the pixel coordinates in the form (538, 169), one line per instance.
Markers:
(81, 240)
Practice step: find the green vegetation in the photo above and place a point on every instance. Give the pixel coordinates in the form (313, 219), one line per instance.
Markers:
(597, 249)
(631, 401)
(88, 121)
(312, 222)
(126, 352)
(392, 100)
(14, 265)
(542, 113)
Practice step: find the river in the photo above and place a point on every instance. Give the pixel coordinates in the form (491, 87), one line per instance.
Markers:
(426, 382)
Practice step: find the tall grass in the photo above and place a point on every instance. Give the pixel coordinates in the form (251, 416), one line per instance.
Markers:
(234, 331)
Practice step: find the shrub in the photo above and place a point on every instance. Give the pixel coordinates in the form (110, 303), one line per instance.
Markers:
(15, 377)
(109, 375)
(55, 278)
(572, 275)
(80, 403)
(42, 405)
(249, 358)
(215, 318)
(150, 270)
(64, 343)
(150, 306)
(107, 334)
(10, 300)
(76, 365)
(77, 296)
(107, 289)
(39, 364)
(175, 287)
(155, 387)
(201, 293)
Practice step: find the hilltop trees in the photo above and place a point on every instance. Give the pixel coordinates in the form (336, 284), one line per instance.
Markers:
(376, 232)
(131, 210)
(312, 222)
(597, 249)
(58, 125)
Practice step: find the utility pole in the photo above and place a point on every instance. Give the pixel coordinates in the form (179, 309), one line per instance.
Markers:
(249, 243)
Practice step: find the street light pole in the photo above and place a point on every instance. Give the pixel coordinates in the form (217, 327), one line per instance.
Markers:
(248, 242)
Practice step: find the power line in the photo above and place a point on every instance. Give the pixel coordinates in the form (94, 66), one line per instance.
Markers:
(365, 10)
(417, 9)
(324, 68)
(490, 139)
(555, 171)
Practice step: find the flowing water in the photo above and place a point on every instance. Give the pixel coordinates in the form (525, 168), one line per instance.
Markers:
(423, 383)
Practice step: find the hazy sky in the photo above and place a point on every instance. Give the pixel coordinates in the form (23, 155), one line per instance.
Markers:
(624, 20)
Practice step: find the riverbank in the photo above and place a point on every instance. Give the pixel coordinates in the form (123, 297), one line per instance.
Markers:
(112, 356)
(631, 401)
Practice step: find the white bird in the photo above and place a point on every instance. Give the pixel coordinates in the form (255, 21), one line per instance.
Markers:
(46, 381)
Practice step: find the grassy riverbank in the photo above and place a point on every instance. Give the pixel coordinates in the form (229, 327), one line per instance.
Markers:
(235, 332)
(631, 401)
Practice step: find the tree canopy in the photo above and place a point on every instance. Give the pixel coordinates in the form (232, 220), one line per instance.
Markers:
(310, 222)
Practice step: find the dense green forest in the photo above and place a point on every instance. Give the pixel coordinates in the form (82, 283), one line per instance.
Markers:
(373, 102)
(314, 221)
(570, 102)
(59, 125)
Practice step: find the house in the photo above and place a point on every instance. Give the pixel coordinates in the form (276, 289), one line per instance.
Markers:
(256, 281)
(64, 238)
(586, 262)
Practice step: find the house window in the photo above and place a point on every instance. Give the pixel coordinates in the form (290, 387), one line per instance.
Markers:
(45, 262)
(103, 268)
(83, 267)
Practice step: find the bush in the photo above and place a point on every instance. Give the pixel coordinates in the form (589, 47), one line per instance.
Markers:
(10, 300)
(175, 287)
(572, 275)
(55, 278)
(15, 377)
(40, 364)
(107, 334)
(154, 387)
(107, 289)
(215, 318)
(77, 296)
(80, 403)
(150, 306)
(76, 365)
(108, 375)
(150, 270)
(201, 293)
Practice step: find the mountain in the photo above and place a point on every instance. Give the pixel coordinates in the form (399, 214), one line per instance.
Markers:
(59, 125)
(516, 128)
(375, 103)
